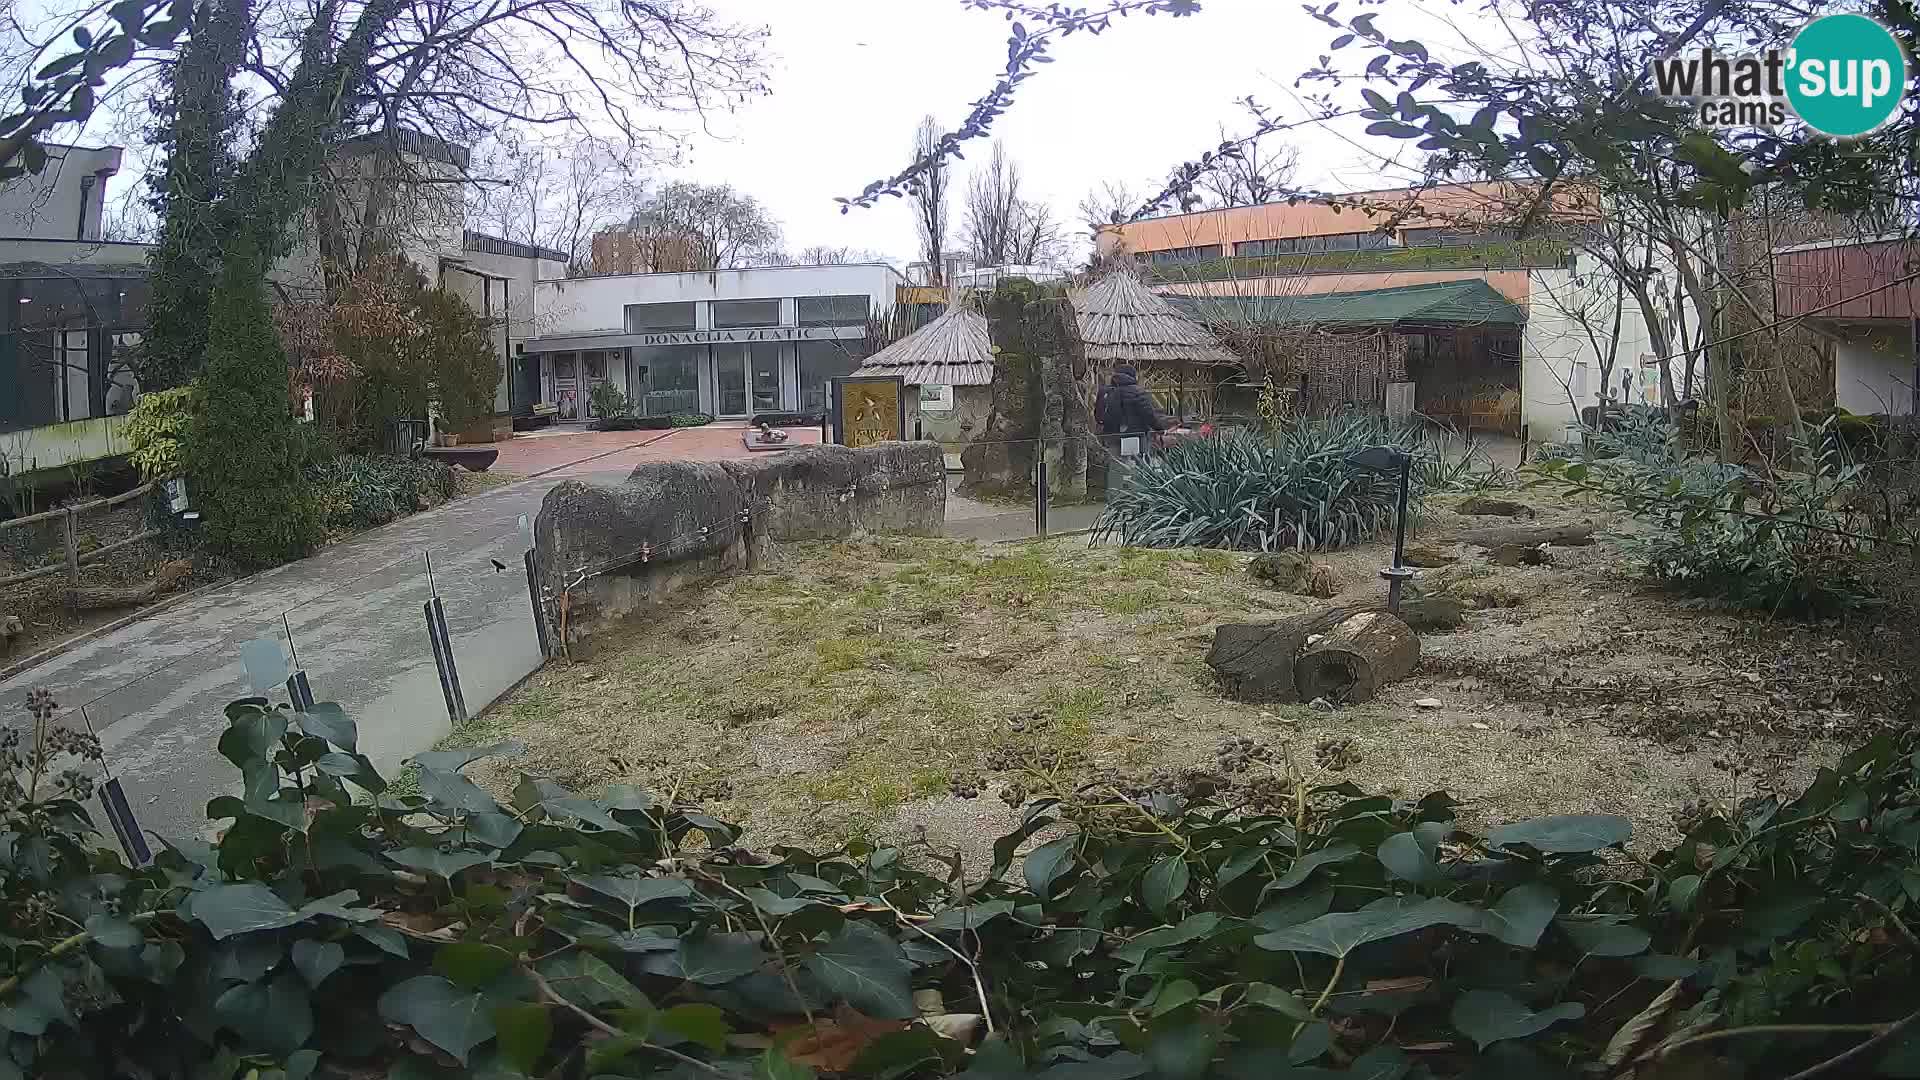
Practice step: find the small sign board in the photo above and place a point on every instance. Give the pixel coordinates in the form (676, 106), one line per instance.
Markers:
(265, 665)
(869, 409)
(936, 399)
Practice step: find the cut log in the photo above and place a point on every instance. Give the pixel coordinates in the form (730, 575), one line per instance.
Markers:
(168, 575)
(1256, 661)
(1527, 536)
(1354, 659)
(1489, 506)
(1427, 556)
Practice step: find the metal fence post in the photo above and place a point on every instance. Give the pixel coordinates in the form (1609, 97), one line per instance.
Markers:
(443, 660)
(1040, 489)
(539, 611)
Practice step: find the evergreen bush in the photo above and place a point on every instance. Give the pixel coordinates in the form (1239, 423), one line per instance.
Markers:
(245, 452)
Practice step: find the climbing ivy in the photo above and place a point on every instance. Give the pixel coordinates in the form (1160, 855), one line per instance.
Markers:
(336, 927)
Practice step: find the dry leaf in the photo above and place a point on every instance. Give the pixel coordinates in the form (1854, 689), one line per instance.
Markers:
(1639, 1031)
(426, 927)
(1429, 1046)
(962, 1028)
(834, 1045)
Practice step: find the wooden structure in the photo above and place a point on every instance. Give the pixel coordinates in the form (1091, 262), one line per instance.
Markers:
(1179, 361)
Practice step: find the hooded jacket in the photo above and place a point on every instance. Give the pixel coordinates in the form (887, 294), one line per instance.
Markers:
(1125, 408)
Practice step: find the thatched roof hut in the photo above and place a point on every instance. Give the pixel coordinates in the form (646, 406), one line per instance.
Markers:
(1123, 322)
(952, 350)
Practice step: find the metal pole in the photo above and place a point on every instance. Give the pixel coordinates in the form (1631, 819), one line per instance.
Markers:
(1398, 573)
(1040, 489)
(539, 614)
(1523, 444)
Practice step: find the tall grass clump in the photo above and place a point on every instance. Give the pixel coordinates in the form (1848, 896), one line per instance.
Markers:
(1285, 488)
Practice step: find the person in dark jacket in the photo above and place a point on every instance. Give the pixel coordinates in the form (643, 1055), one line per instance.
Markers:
(1125, 408)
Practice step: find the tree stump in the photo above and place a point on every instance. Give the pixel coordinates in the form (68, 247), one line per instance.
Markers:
(1352, 660)
(93, 598)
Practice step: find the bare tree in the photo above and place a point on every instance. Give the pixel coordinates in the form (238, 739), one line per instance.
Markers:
(552, 193)
(1038, 238)
(821, 255)
(1112, 203)
(1249, 174)
(929, 194)
(728, 228)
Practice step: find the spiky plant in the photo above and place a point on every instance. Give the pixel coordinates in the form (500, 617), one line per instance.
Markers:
(1255, 491)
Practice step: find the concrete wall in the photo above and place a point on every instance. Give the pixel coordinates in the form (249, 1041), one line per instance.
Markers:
(1873, 367)
(425, 222)
(1559, 363)
(52, 446)
(586, 305)
(63, 200)
(604, 553)
(502, 287)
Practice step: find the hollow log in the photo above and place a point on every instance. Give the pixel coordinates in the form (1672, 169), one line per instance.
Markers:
(1527, 536)
(1354, 659)
(1256, 662)
(95, 597)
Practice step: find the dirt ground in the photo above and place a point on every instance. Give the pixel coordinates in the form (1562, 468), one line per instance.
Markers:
(854, 688)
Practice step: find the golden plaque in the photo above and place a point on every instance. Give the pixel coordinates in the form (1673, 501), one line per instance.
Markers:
(869, 409)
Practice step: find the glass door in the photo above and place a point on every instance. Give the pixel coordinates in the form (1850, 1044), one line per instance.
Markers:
(730, 380)
(764, 360)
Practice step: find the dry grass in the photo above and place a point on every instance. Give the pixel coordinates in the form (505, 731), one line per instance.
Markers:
(847, 689)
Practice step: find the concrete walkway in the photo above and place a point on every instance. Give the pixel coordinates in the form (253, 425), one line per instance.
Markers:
(155, 690)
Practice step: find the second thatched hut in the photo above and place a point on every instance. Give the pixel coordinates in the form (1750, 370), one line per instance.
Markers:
(1179, 361)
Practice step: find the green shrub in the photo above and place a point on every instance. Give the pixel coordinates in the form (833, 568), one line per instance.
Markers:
(608, 402)
(1264, 492)
(245, 451)
(1784, 543)
(457, 352)
(338, 928)
(362, 491)
(157, 430)
(691, 419)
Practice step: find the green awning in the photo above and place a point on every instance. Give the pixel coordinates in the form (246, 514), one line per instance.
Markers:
(1444, 303)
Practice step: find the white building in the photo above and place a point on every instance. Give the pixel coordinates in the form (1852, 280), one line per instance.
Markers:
(728, 343)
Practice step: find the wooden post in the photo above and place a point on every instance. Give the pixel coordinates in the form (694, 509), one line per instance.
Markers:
(72, 539)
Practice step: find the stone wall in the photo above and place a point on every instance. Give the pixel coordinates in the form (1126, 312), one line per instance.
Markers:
(603, 553)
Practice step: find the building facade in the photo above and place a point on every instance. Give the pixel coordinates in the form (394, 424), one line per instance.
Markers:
(728, 343)
(1862, 294)
(71, 307)
(1375, 265)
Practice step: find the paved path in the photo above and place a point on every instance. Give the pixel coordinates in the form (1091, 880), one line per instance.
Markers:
(155, 690)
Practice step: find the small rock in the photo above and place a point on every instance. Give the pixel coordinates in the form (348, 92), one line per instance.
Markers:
(1477, 726)
(1428, 702)
(1133, 659)
(1320, 704)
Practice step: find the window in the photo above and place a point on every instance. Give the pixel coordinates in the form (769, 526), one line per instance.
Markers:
(1184, 254)
(659, 318)
(819, 362)
(666, 379)
(1305, 245)
(833, 310)
(1448, 236)
(733, 313)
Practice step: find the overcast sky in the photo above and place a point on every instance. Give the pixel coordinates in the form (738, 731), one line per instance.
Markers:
(852, 78)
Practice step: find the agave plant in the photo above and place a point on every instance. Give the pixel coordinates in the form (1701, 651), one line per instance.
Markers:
(1254, 491)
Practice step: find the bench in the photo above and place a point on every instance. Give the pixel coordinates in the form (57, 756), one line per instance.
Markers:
(472, 459)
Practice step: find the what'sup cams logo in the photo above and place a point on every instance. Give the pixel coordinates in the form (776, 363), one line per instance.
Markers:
(1843, 76)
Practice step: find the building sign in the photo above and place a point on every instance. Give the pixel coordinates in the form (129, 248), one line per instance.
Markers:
(716, 337)
(869, 409)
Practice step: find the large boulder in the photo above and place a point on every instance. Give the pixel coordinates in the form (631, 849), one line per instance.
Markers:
(604, 552)
(827, 492)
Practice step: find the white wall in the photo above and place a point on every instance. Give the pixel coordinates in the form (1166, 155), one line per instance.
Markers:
(1559, 363)
(586, 305)
(1873, 368)
(506, 291)
(425, 223)
(62, 201)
